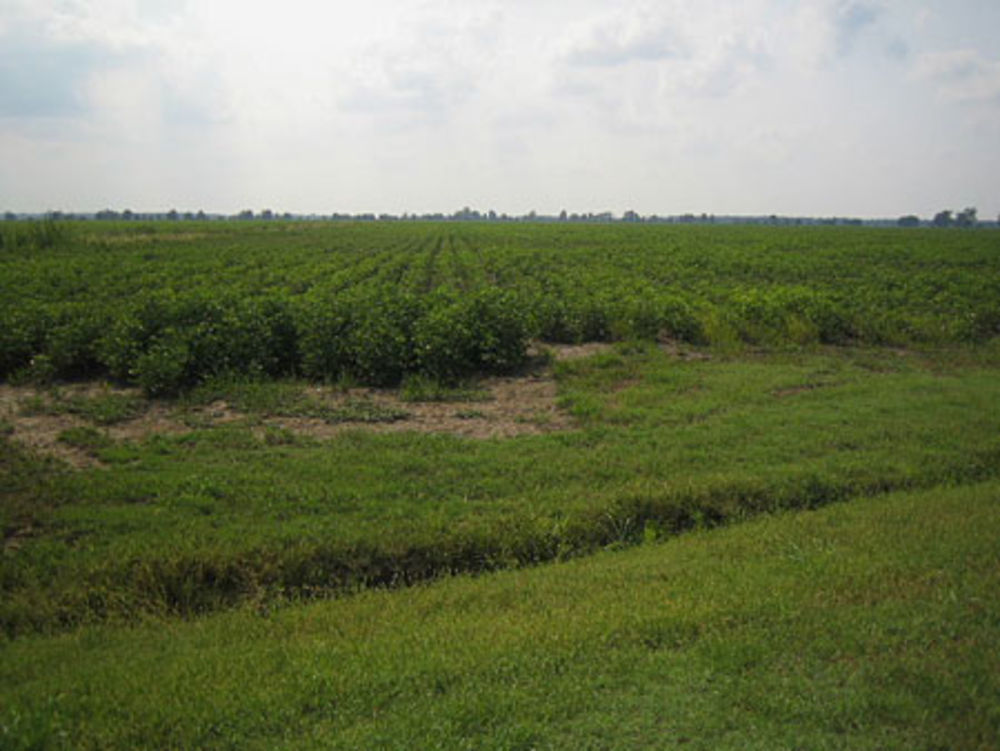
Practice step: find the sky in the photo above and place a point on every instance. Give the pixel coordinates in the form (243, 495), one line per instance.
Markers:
(864, 108)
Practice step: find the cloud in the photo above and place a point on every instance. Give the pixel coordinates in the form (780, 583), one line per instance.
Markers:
(734, 63)
(431, 65)
(626, 39)
(41, 76)
(961, 75)
(850, 21)
(641, 73)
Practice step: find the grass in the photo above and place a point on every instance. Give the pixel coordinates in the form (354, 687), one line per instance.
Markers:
(190, 523)
(864, 625)
(261, 398)
(422, 389)
(102, 408)
(760, 543)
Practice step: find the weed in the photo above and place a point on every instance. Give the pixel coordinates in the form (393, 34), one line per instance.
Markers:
(87, 438)
(421, 388)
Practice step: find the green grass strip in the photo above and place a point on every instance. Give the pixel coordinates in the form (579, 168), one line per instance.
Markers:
(864, 625)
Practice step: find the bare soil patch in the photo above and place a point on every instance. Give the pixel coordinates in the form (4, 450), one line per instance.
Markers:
(514, 407)
(562, 352)
(681, 351)
(38, 417)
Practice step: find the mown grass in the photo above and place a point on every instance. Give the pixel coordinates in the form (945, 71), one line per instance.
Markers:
(868, 625)
(192, 523)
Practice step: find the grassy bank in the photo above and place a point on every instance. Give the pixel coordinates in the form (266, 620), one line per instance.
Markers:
(864, 625)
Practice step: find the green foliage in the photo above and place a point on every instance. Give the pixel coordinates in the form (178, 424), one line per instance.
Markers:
(326, 326)
(87, 438)
(794, 314)
(381, 337)
(170, 343)
(486, 332)
(668, 444)
(723, 638)
(661, 317)
(376, 303)
(33, 235)
(422, 388)
(867, 625)
(102, 408)
(23, 331)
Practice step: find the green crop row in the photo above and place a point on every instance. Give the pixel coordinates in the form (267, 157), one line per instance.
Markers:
(169, 343)
(168, 309)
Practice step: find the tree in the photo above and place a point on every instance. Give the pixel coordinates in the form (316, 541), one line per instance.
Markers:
(908, 221)
(942, 219)
(966, 217)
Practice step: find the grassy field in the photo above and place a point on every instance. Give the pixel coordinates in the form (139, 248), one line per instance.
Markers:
(867, 625)
(293, 488)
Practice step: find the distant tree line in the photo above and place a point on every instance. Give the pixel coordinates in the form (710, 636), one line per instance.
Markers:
(964, 218)
(967, 218)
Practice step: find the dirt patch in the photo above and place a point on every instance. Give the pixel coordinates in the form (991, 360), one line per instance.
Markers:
(509, 407)
(681, 351)
(562, 352)
(39, 418)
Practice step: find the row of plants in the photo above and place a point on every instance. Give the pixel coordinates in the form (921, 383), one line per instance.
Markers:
(378, 335)
(379, 302)
(35, 235)
(169, 343)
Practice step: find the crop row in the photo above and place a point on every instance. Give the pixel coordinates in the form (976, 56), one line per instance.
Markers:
(166, 310)
(168, 343)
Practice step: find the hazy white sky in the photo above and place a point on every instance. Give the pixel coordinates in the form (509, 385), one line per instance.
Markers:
(820, 107)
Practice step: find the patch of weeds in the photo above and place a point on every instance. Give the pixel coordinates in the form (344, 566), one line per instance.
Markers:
(541, 419)
(364, 410)
(470, 414)
(633, 348)
(102, 409)
(540, 356)
(34, 406)
(107, 409)
(261, 399)
(344, 383)
(419, 388)
(274, 436)
(6, 427)
(86, 438)
(267, 397)
(41, 371)
(195, 420)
